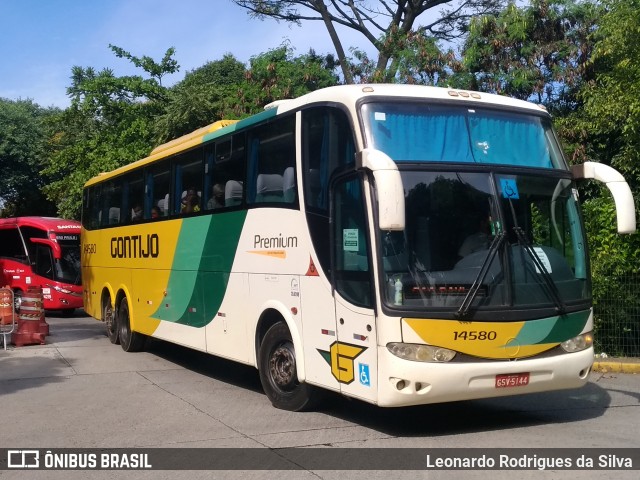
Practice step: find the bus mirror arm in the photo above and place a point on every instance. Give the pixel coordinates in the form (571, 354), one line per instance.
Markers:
(388, 183)
(615, 182)
(55, 247)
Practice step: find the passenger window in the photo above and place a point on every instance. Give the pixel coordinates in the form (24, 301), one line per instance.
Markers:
(224, 173)
(188, 182)
(327, 146)
(272, 163)
(158, 186)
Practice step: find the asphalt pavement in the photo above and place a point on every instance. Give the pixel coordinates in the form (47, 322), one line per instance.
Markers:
(79, 391)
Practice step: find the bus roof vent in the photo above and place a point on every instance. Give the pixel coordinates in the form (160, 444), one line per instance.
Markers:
(276, 104)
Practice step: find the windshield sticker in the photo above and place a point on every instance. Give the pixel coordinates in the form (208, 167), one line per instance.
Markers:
(350, 240)
(380, 116)
(544, 259)
(509, 188)
(483, 147)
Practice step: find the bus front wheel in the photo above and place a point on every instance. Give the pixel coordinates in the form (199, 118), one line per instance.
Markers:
(129, 341)
(277, 366)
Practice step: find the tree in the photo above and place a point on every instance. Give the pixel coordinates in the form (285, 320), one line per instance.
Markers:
(202, 97)
(539, 51)
(606, 128)
(110, 123)
(612, 99)
(226, 89)
(386, 24)
(23, 147)
(277, 74)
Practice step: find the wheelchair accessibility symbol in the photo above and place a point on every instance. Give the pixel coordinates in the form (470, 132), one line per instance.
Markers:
(365, 379)
(509, 188)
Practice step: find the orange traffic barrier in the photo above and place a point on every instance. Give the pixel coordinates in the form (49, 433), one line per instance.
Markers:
(6, 306)
(30, 317)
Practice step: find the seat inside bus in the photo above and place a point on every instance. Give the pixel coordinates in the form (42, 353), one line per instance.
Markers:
(232, 193)
(269, 188)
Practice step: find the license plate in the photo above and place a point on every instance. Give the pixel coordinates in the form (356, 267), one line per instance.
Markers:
(512, 380)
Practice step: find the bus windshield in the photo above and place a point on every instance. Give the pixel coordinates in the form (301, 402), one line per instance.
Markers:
(427, 132)
(68, 266)
(516, 237)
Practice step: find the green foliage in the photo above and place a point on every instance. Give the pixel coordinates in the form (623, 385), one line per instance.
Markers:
(23, 146)
(110, 123)
(612, 100)
(417, 59)
(615, 270)
(539, 50)
(277, 74)
(390, 26)
(205, 95)
(225, 89)
(155, 70)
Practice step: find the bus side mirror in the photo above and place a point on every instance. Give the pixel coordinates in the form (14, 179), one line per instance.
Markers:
(615, 182)
(388, 186)
(55, 247)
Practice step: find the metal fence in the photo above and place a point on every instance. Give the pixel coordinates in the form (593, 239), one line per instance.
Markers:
(616, 311)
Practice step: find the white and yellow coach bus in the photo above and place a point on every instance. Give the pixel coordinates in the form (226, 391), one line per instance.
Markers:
(397, 244)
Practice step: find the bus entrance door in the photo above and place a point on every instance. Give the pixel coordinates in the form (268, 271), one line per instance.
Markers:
(353, 357)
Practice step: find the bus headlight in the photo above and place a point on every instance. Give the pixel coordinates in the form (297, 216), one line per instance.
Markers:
(576, 344)
(421, 353)
(61, 290)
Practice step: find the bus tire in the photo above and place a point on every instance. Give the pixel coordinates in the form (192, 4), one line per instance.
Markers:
(129, 341)
(111, 322)
(277, 367)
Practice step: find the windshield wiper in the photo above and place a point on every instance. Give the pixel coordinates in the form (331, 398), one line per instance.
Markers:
(497, 241)
(551, 285)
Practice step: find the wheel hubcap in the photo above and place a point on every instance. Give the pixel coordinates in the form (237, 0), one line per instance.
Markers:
(282, 366)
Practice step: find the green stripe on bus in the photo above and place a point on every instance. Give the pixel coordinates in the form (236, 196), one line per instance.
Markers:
(553, 329)
(199, 277)
(260, 117)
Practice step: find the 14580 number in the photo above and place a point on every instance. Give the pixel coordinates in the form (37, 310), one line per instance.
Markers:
(475, 335)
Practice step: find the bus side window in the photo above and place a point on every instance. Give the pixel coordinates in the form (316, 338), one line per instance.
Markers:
(289, 185)
(114, 215)
(327, 146)
(272, 153)
(188, 180)
(232, 170)
(158, 185)
(12, 246)
(112, 202)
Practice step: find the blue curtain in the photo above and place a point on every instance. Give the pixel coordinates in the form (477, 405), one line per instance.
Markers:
(461, 136)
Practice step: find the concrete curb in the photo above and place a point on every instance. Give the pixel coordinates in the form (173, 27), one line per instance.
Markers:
(617, 366)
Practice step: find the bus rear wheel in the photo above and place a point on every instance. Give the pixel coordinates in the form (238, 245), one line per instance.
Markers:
(277, 367)
(111, 322)
(129, 341)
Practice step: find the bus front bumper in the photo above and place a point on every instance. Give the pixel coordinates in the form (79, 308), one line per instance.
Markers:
(403, 382)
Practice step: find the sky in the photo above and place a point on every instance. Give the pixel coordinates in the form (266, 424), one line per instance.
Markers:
(41, 40)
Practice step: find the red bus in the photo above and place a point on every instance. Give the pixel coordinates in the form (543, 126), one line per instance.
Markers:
(42, 252)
